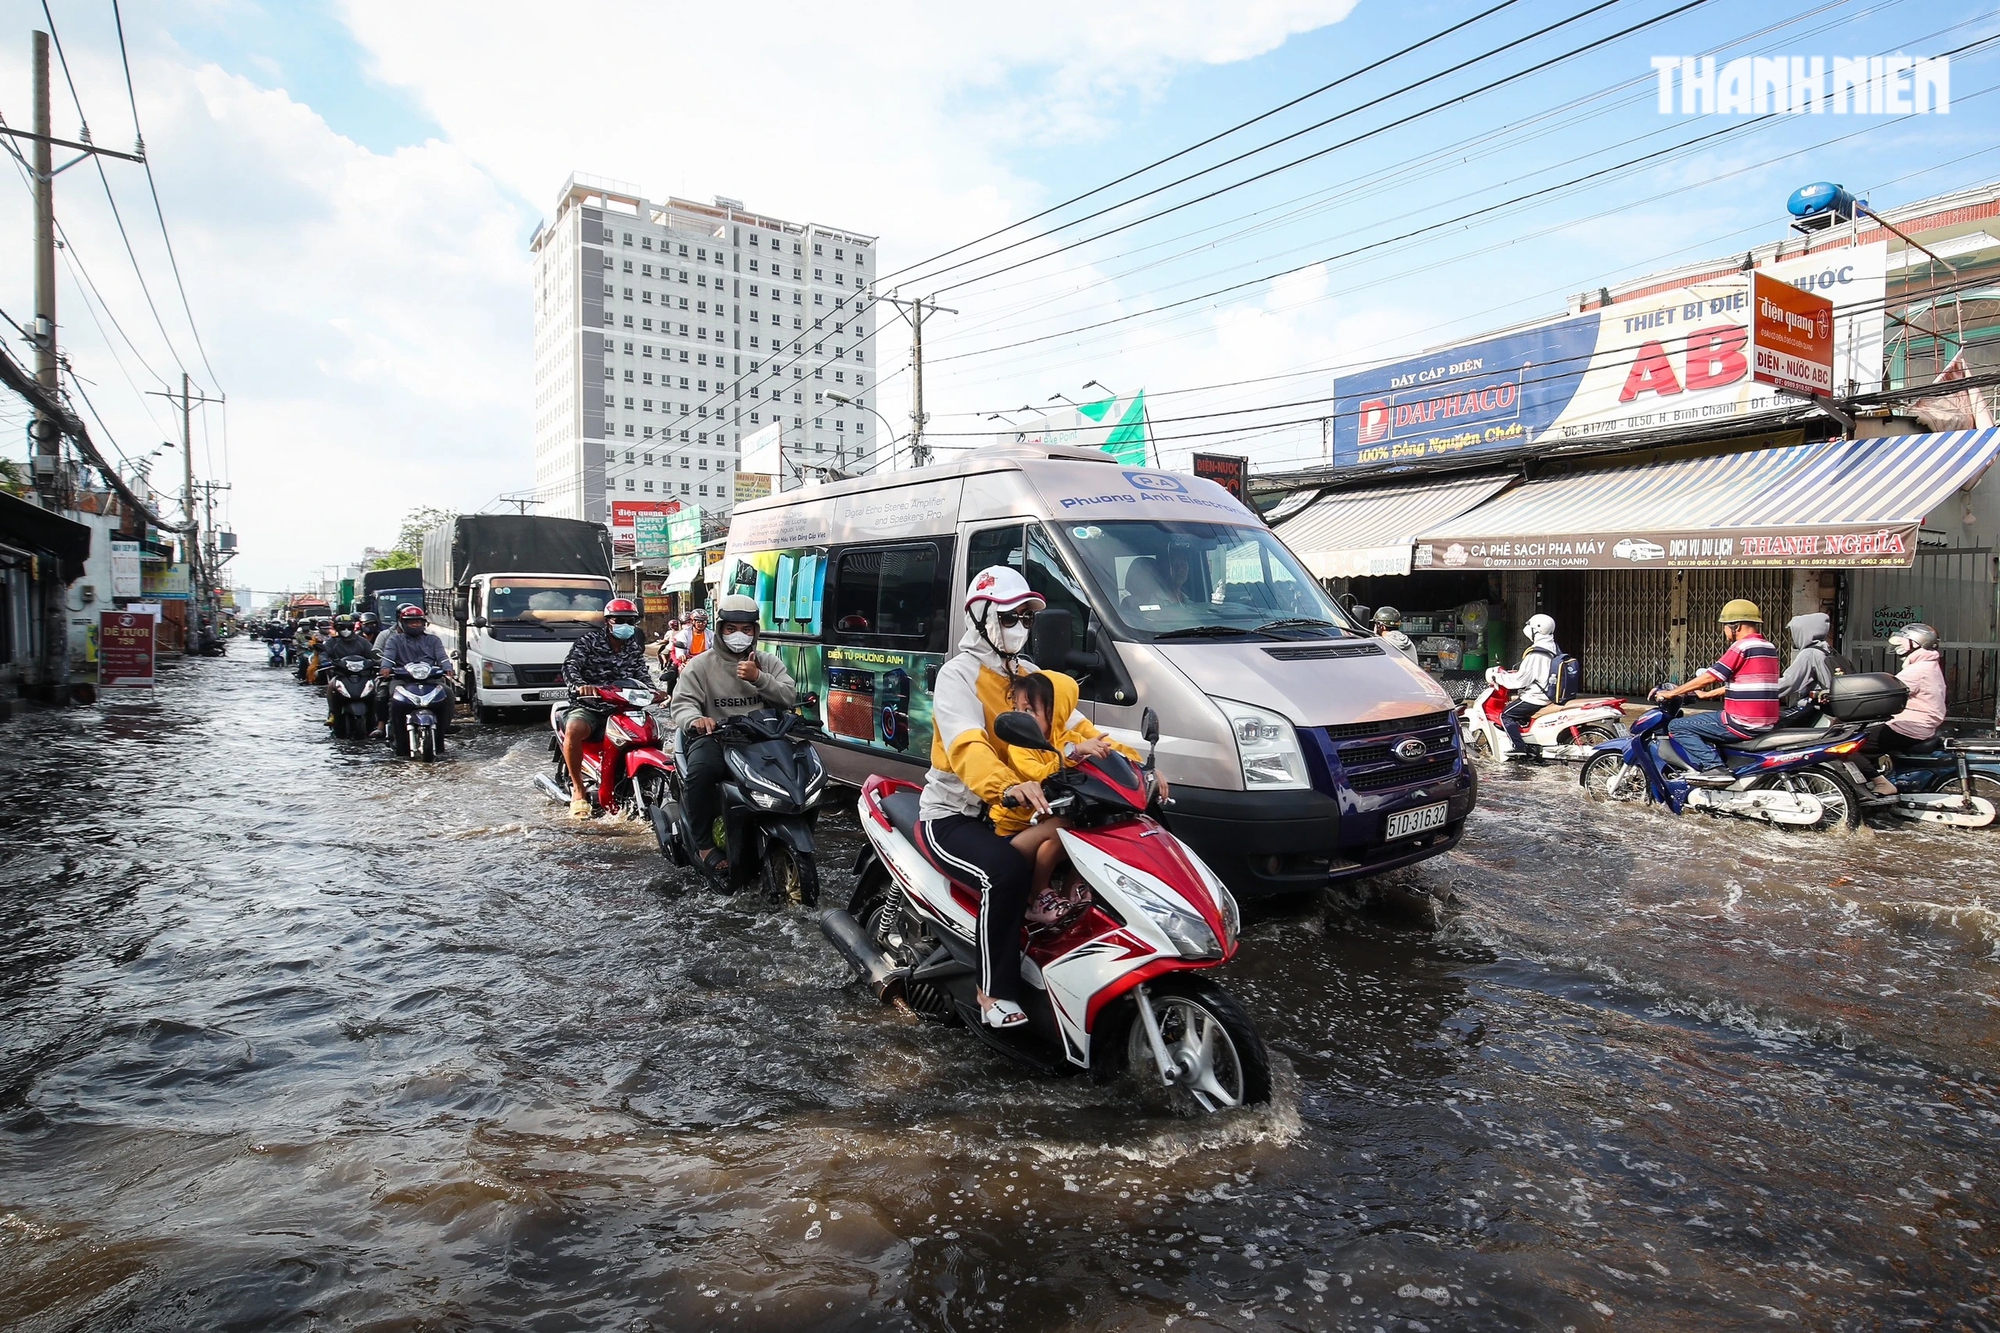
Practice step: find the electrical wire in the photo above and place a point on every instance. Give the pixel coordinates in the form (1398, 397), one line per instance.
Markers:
(153, 187)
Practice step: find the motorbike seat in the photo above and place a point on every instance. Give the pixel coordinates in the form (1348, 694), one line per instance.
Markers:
(901, 808)
(1782, 738)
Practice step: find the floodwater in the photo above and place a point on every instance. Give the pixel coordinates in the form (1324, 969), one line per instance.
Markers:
(293, 1036)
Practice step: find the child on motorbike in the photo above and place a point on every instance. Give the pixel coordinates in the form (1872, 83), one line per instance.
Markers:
(1046, 696)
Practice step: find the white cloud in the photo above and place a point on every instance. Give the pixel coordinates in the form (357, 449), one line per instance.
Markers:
(369, 311)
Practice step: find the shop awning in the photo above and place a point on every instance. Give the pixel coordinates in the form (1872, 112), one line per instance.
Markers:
(1834, 503)
(1352, 533)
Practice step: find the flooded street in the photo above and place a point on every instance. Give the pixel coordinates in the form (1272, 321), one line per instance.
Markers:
(300, 1037)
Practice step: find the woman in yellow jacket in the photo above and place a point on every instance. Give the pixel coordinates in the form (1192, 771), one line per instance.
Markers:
(971, 770)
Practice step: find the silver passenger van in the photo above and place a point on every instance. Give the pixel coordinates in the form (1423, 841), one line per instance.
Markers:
(1301, 750)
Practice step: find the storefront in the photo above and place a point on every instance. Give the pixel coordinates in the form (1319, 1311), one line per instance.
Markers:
(1635, 558)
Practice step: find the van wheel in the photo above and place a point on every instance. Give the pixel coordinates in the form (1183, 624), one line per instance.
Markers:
(486, 714)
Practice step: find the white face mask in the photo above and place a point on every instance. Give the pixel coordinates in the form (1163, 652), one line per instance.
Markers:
(738, 643)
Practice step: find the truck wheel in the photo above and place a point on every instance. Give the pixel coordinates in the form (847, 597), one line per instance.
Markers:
(487, 715)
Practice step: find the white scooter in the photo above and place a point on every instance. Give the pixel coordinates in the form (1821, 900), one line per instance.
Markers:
(1570, 731)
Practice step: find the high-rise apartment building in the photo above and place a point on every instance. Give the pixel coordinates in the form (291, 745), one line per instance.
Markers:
(666, 332)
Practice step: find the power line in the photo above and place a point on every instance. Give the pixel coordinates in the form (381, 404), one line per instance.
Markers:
(159, 212)
(1213, 138)
(1331, 148)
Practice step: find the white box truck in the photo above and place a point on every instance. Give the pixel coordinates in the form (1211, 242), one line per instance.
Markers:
(508, 594)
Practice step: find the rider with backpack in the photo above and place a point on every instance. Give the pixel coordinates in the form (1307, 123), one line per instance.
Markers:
(1546, 676)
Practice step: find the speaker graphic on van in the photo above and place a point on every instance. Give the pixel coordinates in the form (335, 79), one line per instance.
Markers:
(850, 703)
(894, 693)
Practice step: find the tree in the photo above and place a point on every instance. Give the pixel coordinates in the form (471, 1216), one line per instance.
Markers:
(409, 549)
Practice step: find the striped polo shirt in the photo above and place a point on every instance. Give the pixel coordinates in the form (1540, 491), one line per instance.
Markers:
(1750, 671)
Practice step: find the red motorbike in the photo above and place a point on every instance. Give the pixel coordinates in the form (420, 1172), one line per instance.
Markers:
(625, 770)
(1114, 983)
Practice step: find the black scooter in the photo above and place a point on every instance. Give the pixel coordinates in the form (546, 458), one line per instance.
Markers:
(770, 803)
(350, 696)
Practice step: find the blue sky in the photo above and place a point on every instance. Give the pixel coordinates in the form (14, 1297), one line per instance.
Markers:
(351, 187)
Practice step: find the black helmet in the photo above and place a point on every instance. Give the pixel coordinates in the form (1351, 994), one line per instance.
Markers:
(1388, 617)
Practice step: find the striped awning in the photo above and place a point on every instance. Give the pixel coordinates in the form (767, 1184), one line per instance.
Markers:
(1835, 503)
(1348, 534)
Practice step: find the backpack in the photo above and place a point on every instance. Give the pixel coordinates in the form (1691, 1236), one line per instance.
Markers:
(1565, 677)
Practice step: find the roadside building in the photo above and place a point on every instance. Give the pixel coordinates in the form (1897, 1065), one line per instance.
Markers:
(666, 331)
(1621, 467)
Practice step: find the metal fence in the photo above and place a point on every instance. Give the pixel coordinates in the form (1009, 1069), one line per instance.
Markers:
(1951, 588)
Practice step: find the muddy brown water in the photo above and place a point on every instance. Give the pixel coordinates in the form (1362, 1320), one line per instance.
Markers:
(293, 1036)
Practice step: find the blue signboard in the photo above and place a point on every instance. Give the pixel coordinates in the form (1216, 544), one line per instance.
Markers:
(1499, 393)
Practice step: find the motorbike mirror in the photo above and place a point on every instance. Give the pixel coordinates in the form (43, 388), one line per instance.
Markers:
(1021, 729)
(1149, 726)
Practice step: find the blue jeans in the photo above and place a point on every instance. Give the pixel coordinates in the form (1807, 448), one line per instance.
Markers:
(1697, 733)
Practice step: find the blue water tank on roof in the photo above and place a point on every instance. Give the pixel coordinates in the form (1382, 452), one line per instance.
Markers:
(1820, 197)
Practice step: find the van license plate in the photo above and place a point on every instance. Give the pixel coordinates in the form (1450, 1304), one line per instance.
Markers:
(1409, 823)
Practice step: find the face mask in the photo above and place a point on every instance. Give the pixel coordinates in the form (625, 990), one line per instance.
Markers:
(738, 643)
(1005, 639)
(623, 631)
(414, 631)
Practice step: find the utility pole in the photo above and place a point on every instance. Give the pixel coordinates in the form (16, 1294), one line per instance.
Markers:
(913, 311)
(48, 440)
(198, 592)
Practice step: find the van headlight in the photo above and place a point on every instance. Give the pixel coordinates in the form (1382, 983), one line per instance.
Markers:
(496, 675)
(1267, 747)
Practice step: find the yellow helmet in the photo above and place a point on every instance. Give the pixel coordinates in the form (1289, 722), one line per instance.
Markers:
(1740, 611)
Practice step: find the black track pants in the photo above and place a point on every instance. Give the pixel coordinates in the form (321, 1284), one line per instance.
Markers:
(982, 859)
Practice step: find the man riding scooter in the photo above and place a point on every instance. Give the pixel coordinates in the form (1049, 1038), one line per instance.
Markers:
(412, 642)
(346, 642)
(729, 679)
(1389, 625)
(604, 656)
(1748, 673)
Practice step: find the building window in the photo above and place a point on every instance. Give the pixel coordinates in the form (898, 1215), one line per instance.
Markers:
(704, 489)
(628, 320)
(684, 488)
(628, 432)
(631, 484)
(649, 485)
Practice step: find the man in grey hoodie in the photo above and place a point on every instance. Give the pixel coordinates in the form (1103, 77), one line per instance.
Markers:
(1813, 665)
(727, 680)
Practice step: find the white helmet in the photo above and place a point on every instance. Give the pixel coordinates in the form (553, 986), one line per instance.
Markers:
(1539, 627)
(1002, 587)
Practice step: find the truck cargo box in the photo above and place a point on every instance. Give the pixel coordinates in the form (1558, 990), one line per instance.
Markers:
(471, 544)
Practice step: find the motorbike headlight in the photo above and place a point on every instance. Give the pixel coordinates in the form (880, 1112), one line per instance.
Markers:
(1181, 924)
(1225, 904)
(497, 675)
(763, 801)
(1267, 747)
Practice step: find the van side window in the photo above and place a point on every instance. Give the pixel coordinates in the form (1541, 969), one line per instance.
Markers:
(993, 546)
(888, 591)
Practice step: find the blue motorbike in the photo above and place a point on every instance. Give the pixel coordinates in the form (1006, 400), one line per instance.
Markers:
(281, 652)
(1956, 784)
(1791, 777)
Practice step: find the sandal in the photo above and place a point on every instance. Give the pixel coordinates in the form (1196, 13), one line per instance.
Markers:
(713, 860)
(1002, 1014)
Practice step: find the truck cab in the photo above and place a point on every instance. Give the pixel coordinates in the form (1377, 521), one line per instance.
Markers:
(517, 629)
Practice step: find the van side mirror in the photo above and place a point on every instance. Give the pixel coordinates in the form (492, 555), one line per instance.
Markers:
(1021, 730)
(1360, 613)
(1050, 640)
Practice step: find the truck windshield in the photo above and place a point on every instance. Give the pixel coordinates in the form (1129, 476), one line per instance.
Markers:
(1198, 580)
(546, 601)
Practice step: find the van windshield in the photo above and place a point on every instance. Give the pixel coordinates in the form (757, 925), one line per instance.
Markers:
(1195, 580)
(546, 601)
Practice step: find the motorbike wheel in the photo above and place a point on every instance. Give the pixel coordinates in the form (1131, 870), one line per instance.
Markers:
(641, 795)
(1593, 733)
(1607, 777)
(423, 745)
(790, 878)
(1482, 748)
(1982, 786)
(1840, 803)
(1208, 1033)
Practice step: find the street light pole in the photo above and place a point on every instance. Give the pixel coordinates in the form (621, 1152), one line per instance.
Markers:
(846, 401)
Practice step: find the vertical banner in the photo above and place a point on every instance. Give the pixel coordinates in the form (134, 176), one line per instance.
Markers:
(126, 580)
(125, 649)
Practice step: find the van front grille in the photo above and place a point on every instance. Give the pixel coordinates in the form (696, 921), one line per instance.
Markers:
(1319, 652)
(1421, 722)
(1404, 775)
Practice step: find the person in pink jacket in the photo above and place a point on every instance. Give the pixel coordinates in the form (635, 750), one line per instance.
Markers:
(1915, 728)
